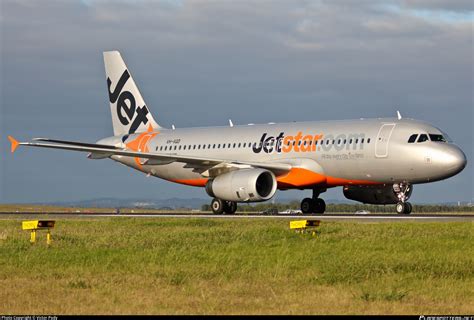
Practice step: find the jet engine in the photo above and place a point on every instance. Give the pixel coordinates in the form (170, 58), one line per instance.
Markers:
(244, 185)
(373, 195)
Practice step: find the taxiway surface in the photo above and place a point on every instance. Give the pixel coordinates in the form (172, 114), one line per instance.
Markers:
(324, 217)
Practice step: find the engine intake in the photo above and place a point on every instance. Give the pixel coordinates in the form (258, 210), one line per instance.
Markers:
(244, 185)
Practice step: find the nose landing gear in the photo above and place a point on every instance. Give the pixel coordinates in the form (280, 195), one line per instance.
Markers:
(404, 207)
(403, 192)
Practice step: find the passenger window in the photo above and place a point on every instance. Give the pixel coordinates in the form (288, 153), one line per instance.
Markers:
(214, 146)
(368, 140)
(161, 148)
(362, 140)
(422, 138)
(357, 141)
(245, 144)
(412, 138)
(239, 144)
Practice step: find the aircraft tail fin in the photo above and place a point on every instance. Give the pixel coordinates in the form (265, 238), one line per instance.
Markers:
(129, 111)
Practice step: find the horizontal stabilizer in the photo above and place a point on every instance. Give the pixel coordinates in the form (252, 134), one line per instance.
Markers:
(83, 144)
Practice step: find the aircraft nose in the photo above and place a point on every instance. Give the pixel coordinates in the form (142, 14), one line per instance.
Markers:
(454, 160)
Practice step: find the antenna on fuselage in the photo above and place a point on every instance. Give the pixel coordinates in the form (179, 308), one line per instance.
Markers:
(399, 115)
(230, 123)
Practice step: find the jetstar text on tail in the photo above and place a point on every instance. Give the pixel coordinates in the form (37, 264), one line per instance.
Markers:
(308, 142)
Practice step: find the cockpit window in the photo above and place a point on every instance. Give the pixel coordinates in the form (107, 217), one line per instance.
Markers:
(422, 138)
(446, 137)
(437, 138)
(412, 138)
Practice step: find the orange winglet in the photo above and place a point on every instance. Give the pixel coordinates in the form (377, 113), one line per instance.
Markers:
(14, 143)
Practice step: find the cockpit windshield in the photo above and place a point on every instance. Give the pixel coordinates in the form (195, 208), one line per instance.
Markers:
(422, 138)
(412, 138)
(446, 137)
(437, 138)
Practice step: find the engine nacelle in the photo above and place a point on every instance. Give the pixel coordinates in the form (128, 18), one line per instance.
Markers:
(373, 195)
(244, 185)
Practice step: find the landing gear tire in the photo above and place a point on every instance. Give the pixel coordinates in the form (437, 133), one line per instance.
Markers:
(217, 206)
(307, 205)
(230, 207)
(404, 207)
(319, 205)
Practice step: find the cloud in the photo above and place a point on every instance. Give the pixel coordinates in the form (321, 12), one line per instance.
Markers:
(201, 62)
(462, 6)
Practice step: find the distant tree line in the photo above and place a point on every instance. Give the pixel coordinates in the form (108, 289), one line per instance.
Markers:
(348, 207)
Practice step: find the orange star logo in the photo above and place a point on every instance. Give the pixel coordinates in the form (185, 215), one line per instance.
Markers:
(140, 144)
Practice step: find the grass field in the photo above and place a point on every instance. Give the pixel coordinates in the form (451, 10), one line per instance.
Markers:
(210, 266)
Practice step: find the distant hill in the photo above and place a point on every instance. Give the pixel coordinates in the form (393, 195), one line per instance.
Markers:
(179, 203)
(173, 203)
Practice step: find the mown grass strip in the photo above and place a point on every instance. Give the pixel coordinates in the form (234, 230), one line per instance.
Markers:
(206, 266)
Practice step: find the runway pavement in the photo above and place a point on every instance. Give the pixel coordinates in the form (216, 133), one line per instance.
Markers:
(324, 217)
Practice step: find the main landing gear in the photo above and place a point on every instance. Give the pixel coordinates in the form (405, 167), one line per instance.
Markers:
(314, 204)
(403, 192)
(219, 206)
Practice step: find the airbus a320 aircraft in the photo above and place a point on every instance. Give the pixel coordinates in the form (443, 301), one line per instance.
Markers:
(376, 161)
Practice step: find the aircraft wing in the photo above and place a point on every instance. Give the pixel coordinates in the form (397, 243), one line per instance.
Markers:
(201, 164)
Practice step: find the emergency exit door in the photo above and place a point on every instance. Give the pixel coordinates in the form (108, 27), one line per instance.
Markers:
(383, 138)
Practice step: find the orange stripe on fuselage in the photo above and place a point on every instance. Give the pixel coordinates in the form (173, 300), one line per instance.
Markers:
(191, 182)
(300, 178)
(295, 178)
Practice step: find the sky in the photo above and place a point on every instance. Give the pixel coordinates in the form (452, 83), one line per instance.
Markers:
(200, 63)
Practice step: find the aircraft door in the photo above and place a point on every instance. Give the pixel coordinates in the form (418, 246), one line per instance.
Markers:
(383, 137)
